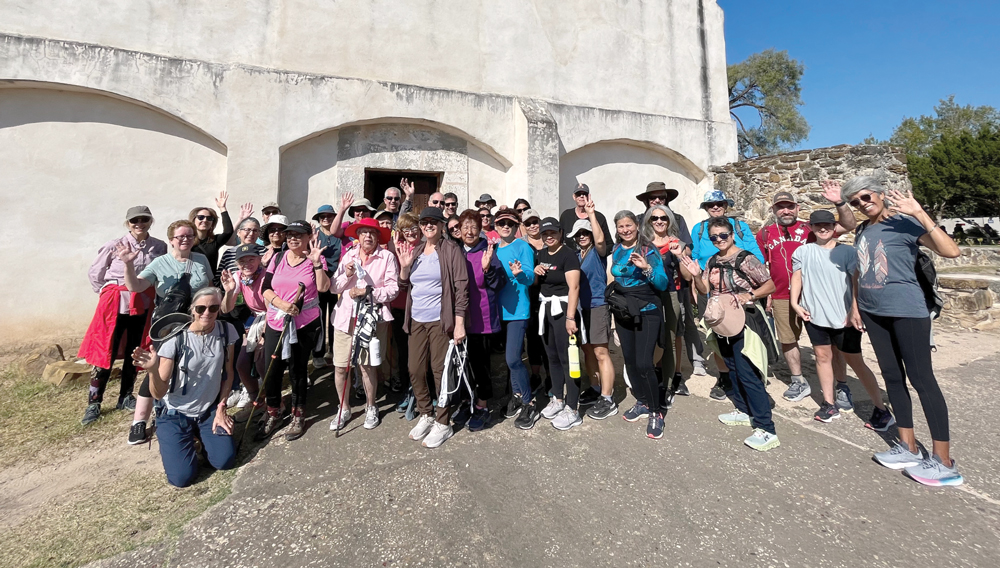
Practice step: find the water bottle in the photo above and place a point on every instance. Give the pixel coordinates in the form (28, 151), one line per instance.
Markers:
(374, 352)
(574, 358)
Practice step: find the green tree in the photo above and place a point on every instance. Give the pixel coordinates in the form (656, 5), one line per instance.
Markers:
(960, 175)
(918, 135)
(767, 85)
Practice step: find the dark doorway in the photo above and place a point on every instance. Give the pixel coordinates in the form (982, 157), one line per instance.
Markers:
(424, 184)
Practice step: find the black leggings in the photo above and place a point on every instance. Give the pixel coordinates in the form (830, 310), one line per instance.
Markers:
(298, 373)
(479, 362)
(327, 301)
(557, 347)
(902, 346)
(131, 327)
(402, 340)
(638, 344)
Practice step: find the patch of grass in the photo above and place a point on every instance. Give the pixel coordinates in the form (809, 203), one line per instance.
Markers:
(134, 510)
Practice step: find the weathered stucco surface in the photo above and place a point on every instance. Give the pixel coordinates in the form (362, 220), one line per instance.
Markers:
(167, 103)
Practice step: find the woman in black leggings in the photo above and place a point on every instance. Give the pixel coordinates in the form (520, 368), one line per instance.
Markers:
(892, 306)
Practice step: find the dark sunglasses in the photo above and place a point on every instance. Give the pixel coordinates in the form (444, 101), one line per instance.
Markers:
(722, 204)
(659, 218)
(531, 223)
(857, 201)
(434, 201)
(213, 309)
(271, 211)
(719, 237)
(506, 223)
(138, 220)
(522, 210)
(203, 217)
(451, 204)
(580, 194)
(428, 222)
(454, 228)
(390, 198)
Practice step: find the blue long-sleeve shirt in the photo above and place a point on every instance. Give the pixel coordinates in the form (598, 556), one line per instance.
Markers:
(514, 301)
(629, 275)
(702, 248)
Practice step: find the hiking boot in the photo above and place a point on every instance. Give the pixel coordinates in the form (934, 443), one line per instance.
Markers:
(602, 409)
(638, 411)
(797, 391)
(934, 473)
(480, 419)
(297, 427)
(553, 408)
(566, 419)
(589, 396)
(699, 369)
(762, 440)
(900, 457)
(881, 420)
(654, 429)
(680, 388)
(92, 413)
(371, 418)
(137, 434)
(514, 406)
(234, 397)
(827, 413)
(126, 403)
(845, 402)
(527, 418)
(270, 425)
(341, 418)
(438, 434)
(735, 418)
(423, 427)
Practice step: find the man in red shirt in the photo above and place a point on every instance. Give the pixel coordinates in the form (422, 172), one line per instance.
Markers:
(778, 241)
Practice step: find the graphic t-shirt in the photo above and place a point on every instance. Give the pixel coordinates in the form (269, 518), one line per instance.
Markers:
(887, 278)
(827, 281)
(285, 283)
(778, 243)
(199, 377)
(556, 265)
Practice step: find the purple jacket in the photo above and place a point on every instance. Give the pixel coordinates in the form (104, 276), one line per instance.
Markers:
(484, 306)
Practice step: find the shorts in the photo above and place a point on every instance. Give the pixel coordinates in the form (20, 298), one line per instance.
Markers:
(597, 321)
(787, 321)
(846, 339)
(342, 345)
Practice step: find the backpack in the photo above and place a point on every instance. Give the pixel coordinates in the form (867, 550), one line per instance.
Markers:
(757, 321)
(926, 277)
(180, 354)
(177, 298)
(736, 225)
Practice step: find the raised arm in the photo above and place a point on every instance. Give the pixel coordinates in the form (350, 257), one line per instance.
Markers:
(935, 238)
(846, 222)
(599, 237)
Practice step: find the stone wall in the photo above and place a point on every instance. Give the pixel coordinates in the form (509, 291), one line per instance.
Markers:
(752, 183)
(970, 301)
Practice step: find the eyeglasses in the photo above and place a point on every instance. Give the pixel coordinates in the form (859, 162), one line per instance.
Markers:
(506, 223)
(213, 309)
(451, 204)
(184, 237)
(714, 204)
(409, 230)
(719, 237)
(140, 220)
(391, 198)
(204, 217)
(659, 218)
(531, 223)
(249, 230)
(862, 198)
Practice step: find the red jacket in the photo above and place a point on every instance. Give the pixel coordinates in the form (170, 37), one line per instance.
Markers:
(96, 346)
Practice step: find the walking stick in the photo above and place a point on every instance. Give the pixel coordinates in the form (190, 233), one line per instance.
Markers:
(270, 364)
(350, 359)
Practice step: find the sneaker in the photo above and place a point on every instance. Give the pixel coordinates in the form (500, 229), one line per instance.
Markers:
(566, 419)
(881, 420)
(845, 402)
(126, 403)
(411, 409)
(589, 396)
(137, 433)
(654, 429)
(638, 411)
(405, 403)
(270, 425)
(419, 432)
(680, 388)
(92, 413)
(371, 418)
(735, 418)
(900, 457)
(234, 397)
(357, 396)
(527, 418)
(341, 418)
(245, 399)
(438, 434)
(461, 416)
(699, 369)
(319, 362)
(934, 473)
(554, 407)
(514, 406)
(666, 399)
(827, 413)
(762, 440)
(395, 384)
(480, 419)
(298, 426)
(717, 393)
(602, 409)
(797, 391)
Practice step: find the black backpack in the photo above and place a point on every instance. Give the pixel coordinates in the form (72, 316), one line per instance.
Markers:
(926, 277)
(177, 298)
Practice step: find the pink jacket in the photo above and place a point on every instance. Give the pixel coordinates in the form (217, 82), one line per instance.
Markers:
(382, 274)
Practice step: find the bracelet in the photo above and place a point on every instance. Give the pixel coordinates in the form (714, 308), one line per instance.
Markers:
(317, 266)
(840, 204)
(648, 271)
(570, 319)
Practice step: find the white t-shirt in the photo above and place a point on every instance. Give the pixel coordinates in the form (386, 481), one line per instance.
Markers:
(826, 282)
(199, 375)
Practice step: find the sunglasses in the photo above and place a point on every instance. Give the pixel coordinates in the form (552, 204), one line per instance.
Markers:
(659, 218)
(857, 201)
(427, 222)
(719, 237)
(184, 237)
(662, 198)
(580, 194)
(140, 220)
(214, 308)
(506, 223)
(388, 198)
(271, 211)
(451, 204)
(294, 236)
(715, 204)
(522, 210)
(434, 201)
(204, 217)
(454, 228)
(531, 223)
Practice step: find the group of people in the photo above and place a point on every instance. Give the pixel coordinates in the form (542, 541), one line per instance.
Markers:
(411, 302)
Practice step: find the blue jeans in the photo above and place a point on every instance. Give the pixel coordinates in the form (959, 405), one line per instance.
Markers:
(748, 392)
(519, 381)
(176, 432)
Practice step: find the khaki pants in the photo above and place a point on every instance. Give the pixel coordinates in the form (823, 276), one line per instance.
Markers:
(427, 342)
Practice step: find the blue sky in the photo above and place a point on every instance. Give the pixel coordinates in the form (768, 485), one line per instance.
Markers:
(869, 64)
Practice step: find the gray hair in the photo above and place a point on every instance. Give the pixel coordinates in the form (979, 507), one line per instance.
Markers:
(206, 291)
(247, 220)
(626, 214)
(647, 224)
(396, 189)
(858, 184)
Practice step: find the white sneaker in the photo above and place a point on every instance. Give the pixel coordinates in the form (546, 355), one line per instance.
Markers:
(371, 417)
(244, 400)
(699, 369)
(234, 397)
(319, 362)
(423, 426)
(554, 407)
(341, 418)
(439, 433)
(566, 419)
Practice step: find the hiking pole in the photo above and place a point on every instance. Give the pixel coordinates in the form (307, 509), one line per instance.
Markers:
(347, 374)
(270, 364)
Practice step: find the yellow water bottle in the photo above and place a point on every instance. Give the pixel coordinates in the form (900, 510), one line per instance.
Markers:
(574, 358)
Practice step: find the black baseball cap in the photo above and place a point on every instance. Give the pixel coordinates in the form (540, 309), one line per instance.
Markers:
(251, 249)
(821, 216)
(300, 227)
(432, 213)
(550, 224)
(582, 188)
